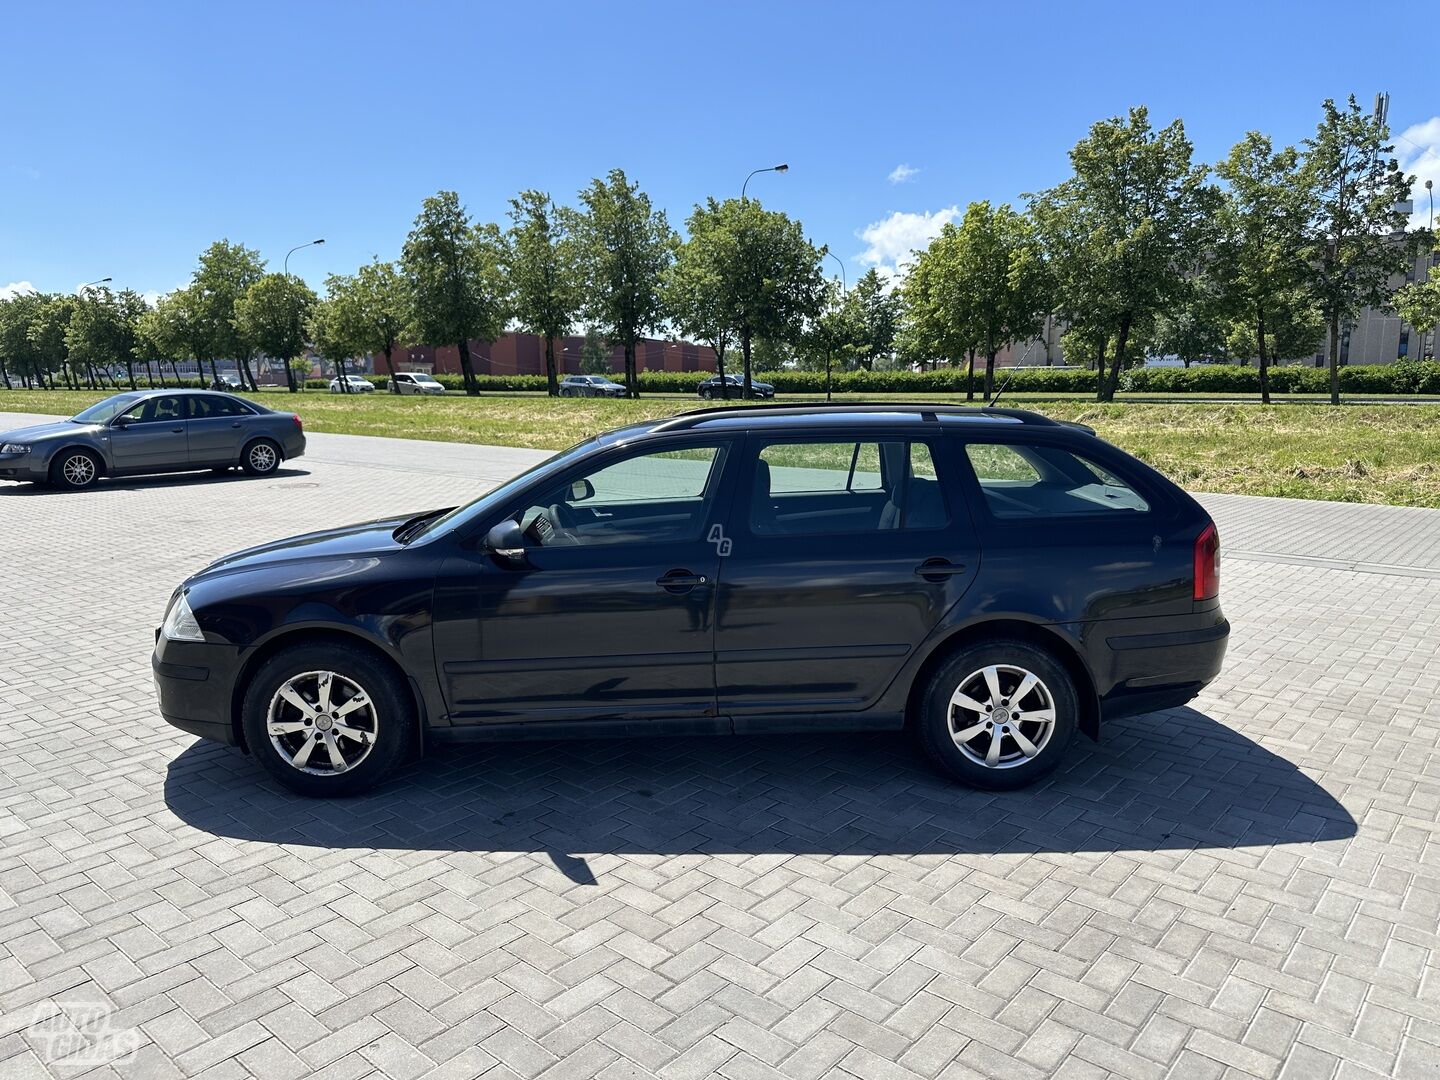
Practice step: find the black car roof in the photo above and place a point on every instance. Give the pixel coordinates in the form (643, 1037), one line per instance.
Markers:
(843, 414)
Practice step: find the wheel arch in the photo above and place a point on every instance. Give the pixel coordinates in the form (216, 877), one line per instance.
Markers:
(263, 436)
(1052, 641)
(94, 451)
(310, 635)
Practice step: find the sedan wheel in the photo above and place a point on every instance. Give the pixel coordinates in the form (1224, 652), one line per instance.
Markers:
(75, 469)
(328, 719)
(999, 715)
(262, 458)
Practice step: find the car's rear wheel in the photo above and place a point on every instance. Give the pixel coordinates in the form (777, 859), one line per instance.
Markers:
(75, 469)
(999, 715)
(262, 457)
(706, 393)
(327, 720)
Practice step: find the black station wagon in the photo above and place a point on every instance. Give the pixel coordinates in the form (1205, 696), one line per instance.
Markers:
(990, 578)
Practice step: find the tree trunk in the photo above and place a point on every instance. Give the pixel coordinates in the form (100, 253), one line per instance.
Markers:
(340, 374)
(970, 379)
(1112, 381)
(745, 335)
(467, 370)
(989, 375)
(1264, 363)
(290, 376)
(247, 376)
(1335, 358)
(5, 374)
(632, 377)
(390, 367)
(720, 370)
(552, 383)
(130, 371)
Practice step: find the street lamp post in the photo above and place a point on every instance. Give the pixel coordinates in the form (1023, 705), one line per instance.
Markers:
(829, 346)
(290, 375)
(771, 168)
(92, 284)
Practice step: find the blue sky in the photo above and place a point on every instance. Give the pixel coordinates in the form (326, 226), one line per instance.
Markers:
(136, 134)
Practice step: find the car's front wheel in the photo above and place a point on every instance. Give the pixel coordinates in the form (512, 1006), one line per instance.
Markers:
(999, 715)
(327, 720)
(75, 469)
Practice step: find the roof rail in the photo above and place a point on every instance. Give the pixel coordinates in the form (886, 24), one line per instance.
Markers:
(933, 409)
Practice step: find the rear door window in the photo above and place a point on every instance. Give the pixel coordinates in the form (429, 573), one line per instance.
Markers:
(1019, 480)
(844, 486)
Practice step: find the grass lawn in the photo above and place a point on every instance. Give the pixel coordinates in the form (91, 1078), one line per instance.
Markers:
(1355, 453)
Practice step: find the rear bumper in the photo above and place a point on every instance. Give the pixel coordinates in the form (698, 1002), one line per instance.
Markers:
(1160, 669)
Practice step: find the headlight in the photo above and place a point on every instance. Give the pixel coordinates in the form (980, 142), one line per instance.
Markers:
(180, 624)
(14, 448)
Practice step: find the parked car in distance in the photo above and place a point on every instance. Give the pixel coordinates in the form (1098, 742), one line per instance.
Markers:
(357, 384)
(416, 382)
(735, 388)
(152, 431)
(590, 386)
(991, 578)
(227, 382)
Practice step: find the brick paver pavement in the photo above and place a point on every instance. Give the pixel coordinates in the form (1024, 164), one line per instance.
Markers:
(1246, 887)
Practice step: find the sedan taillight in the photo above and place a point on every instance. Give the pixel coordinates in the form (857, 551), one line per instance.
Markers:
(1207, 563)
(298, 422)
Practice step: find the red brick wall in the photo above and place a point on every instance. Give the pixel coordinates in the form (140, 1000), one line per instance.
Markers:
(524, 354)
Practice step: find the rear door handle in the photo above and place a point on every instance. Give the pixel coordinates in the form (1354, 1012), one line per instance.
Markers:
(177, 431)
(935, 569)
(679, 581)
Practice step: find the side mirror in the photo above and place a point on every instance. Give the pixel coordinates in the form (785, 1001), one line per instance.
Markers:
(581, 490)
(506, 541)
(122, 421)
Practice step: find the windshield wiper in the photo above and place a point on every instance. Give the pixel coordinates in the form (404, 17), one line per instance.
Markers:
(408, 528)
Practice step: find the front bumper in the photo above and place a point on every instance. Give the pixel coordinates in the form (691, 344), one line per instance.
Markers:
(34, 466)
(194, 683)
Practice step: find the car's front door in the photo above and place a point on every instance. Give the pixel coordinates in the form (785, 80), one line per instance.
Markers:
(216, 428)
(608, 614)
(846, 553)
(150, 436)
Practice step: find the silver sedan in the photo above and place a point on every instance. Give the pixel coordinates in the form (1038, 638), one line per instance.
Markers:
(152, 431)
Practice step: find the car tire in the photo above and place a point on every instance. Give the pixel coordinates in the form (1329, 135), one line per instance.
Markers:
(370, 740)
(261, 457)
(706, 393)
(75, 469)
(960, 699)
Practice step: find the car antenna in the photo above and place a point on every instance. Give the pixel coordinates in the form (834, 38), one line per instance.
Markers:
(1006, 383)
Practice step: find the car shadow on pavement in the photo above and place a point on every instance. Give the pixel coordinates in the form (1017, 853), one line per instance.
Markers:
(160, 480)
(1170, 780)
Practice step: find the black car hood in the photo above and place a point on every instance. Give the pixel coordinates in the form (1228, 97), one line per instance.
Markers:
(367, 538)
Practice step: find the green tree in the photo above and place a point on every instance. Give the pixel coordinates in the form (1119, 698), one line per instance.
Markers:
(876, 314)
(47, 332)
(103, 330)
(938, 315)
(272, 316)
(1259, 252)
(457, 291)
(1293, 328)
(694, 298)
(1001, 270)
(374, 305)
(1122, 231)
(335, 334)
(541, 261)
(226, 270)
(1354, 239)
(623, 248)
(165, 332)
(1194, 325)
(19, 355)
(1419, 305)
(764, 276)
(835, 336)
(594, 354)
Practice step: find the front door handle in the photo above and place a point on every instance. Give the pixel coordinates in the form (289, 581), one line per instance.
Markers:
(939, 569)
(679, 581)
(235, 424)
(177, 431)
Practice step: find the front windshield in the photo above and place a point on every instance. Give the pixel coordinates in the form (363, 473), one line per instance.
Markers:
(102, 412)
(463, 516)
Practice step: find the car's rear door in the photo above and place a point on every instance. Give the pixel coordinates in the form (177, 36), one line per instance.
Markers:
(846, 552)
(609, 614)
(216, 428)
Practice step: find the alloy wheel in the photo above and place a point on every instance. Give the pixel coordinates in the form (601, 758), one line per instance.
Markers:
(322, 723)
(78, 470)
(1001, 716)
(262, 457)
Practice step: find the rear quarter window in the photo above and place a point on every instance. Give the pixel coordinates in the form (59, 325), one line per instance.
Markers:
(1021, 480)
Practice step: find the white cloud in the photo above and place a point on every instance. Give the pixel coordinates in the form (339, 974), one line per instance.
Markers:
(15, 288)
(901, 174)
(891, 241)
(1418, 149)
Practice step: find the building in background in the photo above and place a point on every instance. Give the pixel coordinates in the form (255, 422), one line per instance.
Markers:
(524, 354)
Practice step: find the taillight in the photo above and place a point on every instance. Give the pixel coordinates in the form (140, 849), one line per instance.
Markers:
(1207, 564)
(296, 418)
